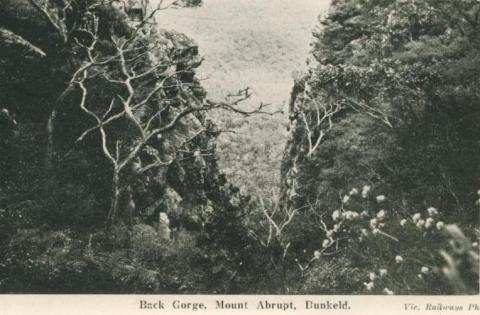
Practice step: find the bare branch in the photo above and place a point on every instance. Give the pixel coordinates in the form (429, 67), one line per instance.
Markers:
(373, 112)
(134, 105)
(324, 115)
(58, 27)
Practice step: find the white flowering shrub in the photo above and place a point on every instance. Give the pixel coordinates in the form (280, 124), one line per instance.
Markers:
(397, 252)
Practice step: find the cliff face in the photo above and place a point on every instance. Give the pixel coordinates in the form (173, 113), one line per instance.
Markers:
(189, 169)
(177, 225)
(116, 159)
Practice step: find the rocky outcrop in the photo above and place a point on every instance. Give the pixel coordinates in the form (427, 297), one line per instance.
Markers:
(168, 196)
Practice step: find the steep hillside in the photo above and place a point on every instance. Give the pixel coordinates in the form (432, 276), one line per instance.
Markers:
(385, 106)
(384, 147)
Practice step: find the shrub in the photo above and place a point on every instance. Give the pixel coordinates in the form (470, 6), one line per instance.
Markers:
(332, 276)
(394, 252)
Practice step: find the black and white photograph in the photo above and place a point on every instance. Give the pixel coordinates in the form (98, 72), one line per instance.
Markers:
(241, 147)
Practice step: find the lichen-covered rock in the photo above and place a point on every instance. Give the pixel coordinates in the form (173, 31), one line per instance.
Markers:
(164, 226)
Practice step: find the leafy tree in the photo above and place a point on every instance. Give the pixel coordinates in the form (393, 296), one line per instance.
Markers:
(398, 73)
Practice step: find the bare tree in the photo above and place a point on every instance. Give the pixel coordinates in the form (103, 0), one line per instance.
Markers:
(277, 220)
(55, 14)
(318, 125)
(151, 99)
(136, 108)
(317, 114)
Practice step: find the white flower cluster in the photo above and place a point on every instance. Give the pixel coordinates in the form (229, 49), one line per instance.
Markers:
(336, 215)
(423, 271)
(351, 215)
(381, 214)
(432, 211)
(369, 286)
(426, 223)
(366, 191)
(372, 276)
(376, 223)
(381, 198)
(347, 215)
(398, 259)
(364, 194)
(387, 291)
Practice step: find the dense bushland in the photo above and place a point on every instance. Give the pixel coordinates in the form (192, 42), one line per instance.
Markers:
(391, 102)
(109, 173)
(109, 177)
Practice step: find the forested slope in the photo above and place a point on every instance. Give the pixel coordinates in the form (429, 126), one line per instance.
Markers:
(391, 105)
(397, 83)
